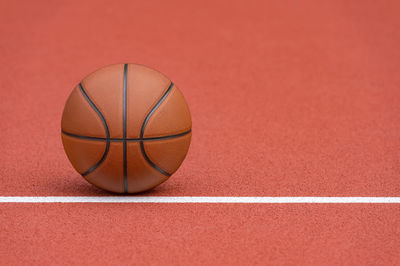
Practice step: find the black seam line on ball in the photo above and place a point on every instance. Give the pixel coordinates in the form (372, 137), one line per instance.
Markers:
(91, 169)
(128, 139)
(124, 106)
(146, 120)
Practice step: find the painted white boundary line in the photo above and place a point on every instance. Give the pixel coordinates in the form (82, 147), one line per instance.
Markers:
(132, 199)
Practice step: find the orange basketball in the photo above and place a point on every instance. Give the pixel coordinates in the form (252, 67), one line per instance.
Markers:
(126, 128)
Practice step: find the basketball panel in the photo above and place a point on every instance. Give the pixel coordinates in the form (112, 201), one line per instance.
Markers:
(109, 174)
(145, 86)
(168, 154)
(171, 117)
(83, 154)
(104, 87)
(80, 118)
(141, 175)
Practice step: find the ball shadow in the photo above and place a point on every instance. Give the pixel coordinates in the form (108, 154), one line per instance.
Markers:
(77, 186)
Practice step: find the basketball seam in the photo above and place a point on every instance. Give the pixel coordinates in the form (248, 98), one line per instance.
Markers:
(124, 107)
(146, 120)
(166, 137)
(94, 167)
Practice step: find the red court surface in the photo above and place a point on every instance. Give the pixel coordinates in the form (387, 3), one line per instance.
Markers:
(288, 98)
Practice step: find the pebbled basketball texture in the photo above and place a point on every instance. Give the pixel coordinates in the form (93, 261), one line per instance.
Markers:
(126, 128)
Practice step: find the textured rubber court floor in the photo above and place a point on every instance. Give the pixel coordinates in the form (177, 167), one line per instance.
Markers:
(288, 98)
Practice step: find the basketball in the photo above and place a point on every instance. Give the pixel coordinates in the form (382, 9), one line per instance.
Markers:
(126, 128)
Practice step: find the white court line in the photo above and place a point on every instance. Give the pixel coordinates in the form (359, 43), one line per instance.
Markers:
(133, 199)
